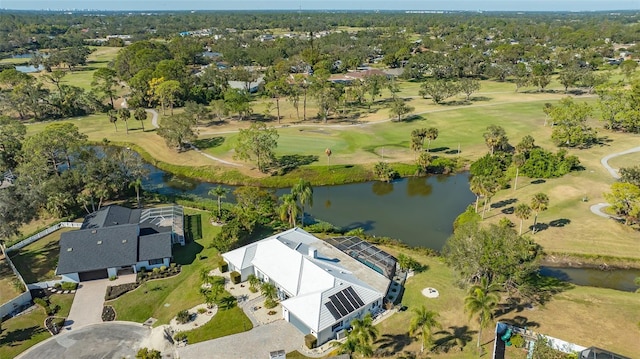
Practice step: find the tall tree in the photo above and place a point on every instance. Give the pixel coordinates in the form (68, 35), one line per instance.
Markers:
(303, 193)
(423, 322)
(12, 134)
(539, 203)
(399, 108)
(137, 185)
(105, 83)
(220, 193)
(238, 101)
(625, 201)
(522, 211)
(277, 89)
(480, 302)
(168, 92)
(431, 135)
(518, 161)
(468, 86)
(177, 131)
(570, 124)
(257, 143)
(364, 333)
(140, 115)
(289, 209)
(124, 115)
(496, 138)
(439, 89)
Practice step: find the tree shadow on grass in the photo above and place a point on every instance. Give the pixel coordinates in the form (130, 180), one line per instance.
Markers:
(288, 163)
(14, 337)
(439, 149)
(504, 203)
(508, 210)
(209, 142)
(512, 305)
(559, 222)
(186, 254)
(34, 265)
(393, 343)
(454, 338)
(521, 321)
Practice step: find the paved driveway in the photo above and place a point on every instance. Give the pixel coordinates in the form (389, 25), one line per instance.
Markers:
(256, 343)
(87, 304)
(114, 340)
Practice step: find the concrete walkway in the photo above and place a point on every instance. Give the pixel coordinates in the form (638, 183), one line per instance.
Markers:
(256, 343)
(88, 301)
(597, 209)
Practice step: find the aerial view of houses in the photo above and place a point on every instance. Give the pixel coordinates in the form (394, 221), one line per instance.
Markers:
(319, 179)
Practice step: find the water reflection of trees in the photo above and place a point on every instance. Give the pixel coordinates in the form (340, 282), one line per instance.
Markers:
(418, 186)
(382, 188)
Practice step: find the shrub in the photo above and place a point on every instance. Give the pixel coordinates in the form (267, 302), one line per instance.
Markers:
(310, 341)
(57, 286)
(113, 277)
(146, 353)
(115, 291)
(322, 227)
(172, 265)
(143, 270)
(52, 309)
(163, 268)
(201, 310)
(156, 270)
(469, 215)
(224, 267)
(517, 341)
(442, 165)
(180, 337)
(69, 286)
(183, 317)
(270, 303)
(235, 277)
(41, 302)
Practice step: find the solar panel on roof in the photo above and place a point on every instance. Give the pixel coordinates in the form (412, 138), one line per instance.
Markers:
(346, 302)
(343, 311)
(333, 310)
(356, 299)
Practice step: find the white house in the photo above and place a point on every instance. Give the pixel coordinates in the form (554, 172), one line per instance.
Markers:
(321, 288)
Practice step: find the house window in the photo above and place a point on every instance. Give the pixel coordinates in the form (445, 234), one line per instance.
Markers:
(336, 326)
(153, 262)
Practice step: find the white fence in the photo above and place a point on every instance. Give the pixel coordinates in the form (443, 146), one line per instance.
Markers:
(16, 303)
(44, 285)
(39, 235)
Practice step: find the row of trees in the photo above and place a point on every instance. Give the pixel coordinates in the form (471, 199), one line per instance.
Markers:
(59, 174)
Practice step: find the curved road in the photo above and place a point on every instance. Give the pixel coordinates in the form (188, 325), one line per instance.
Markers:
(597, 208)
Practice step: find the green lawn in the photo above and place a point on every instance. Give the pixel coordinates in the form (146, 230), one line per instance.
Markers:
(8, 290)
(22, 332)
(163, 299)
(37, 262)
(225, 322)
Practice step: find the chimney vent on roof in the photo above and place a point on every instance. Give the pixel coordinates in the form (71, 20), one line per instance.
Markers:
(124, 241)
(313, 252)
(69, 249)
(94, 231)
(99, 242)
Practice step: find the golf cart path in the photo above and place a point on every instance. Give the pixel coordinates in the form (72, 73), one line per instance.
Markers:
(597, 208)
(154, 123)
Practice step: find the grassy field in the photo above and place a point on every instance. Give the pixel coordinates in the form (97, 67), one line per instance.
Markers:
(20, 333)
(37, 262)
(163, 299)
(8, 290)
(615, 312)
(225, 322)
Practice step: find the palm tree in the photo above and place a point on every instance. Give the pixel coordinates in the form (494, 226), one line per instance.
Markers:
(269, 291)
(364, 334)
(124, 114)
(476, 186)
(489, 188)
(522, 211)
(518, 160)
(221, 193)
(136, 184)
(480, 302)
(205, 277)
(113, 118)
(424, 321)
(254, 282)
(432, 134)
(303, 192)
(539, 203)
(289, 209)
(495, 137)
(140, 114)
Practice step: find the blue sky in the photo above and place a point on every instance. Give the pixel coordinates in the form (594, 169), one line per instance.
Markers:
(502, 5)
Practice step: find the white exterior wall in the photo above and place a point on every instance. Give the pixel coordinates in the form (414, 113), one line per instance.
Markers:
(71, 277)
(14, 304)
(165, 262)
(112, 272)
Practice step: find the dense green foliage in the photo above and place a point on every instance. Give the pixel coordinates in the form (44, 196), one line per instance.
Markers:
(545, 164)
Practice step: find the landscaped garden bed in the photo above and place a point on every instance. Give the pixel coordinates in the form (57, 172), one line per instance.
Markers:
(116, 291)
(54, 324)
(108, 313)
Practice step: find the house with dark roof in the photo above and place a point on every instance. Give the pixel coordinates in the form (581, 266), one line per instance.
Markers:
(322, 287)
(116, 240)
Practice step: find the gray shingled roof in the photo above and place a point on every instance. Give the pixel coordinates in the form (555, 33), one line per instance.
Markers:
(91, 249)
(111, 216)
(154, 246)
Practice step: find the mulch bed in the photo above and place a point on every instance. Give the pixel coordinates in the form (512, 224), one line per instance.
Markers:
(115, 291)
(54, 324)
(108, 313)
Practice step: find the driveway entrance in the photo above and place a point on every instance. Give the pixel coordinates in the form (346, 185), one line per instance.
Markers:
(87, 304)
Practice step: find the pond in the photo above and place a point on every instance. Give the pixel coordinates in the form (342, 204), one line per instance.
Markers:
(28, 68)
(418, 211)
